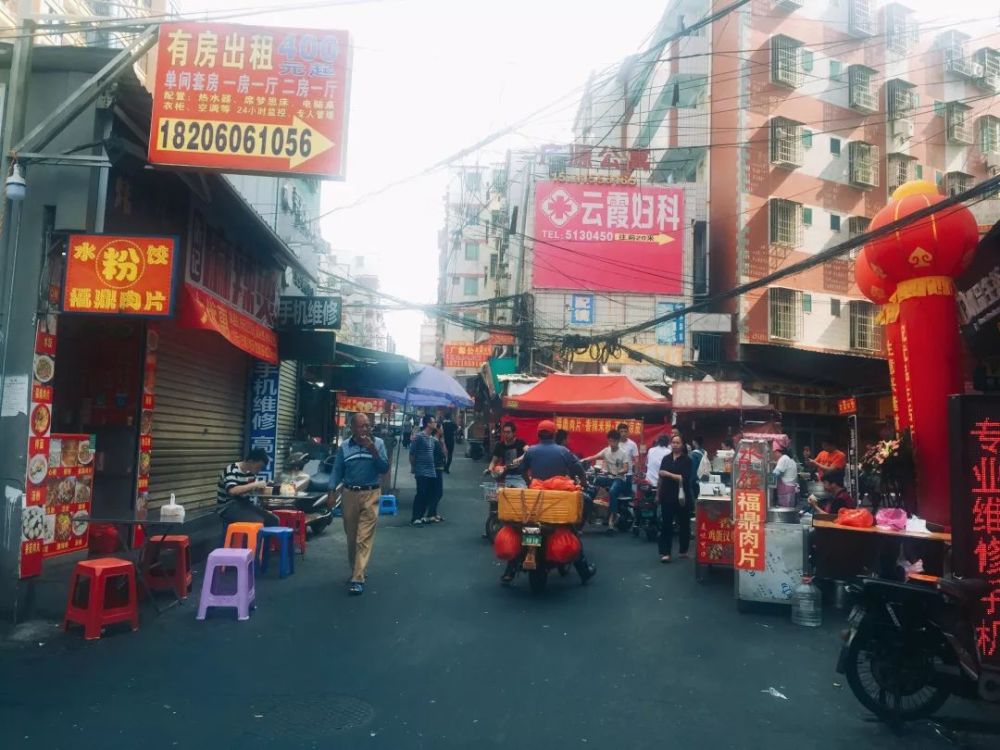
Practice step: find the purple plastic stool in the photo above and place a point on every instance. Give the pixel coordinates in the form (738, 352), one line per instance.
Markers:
(212, 593)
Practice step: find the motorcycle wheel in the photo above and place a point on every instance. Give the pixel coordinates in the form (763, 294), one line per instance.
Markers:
(563, 571)
(652, 534)
(893, 679)
(492, 527)
(537, 579)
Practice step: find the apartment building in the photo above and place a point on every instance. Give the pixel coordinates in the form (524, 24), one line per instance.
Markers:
(800, 117)
(363, 322)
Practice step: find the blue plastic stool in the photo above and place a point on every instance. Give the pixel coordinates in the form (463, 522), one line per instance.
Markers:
(387, 505)
(284, 537)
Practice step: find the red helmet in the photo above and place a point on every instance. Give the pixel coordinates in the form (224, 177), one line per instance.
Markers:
(547, 425)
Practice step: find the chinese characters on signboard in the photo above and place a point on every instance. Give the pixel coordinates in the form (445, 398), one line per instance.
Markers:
(309, 313)
(354, 404)
(251, 99)
(264, 413)
(847, 406)
(706, 394)
(975, 506)
(467, 355)
(750, 505)
(597, 425)
(35, 531)
(624, 238)
(672, 331)
(714, 533)
(109, 275)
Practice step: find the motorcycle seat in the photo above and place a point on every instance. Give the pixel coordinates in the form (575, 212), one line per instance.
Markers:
(965, 589)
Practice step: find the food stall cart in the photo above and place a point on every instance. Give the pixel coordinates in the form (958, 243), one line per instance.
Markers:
(768, 542)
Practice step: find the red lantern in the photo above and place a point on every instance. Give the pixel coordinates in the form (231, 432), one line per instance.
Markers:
(507, 543)
(562, 547)
(878, 289)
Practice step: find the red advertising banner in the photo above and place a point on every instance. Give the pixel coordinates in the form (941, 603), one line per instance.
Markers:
(145, 460)
(203, 310)
(598, 425)
(750, 505)
(467, 355)
(612, 238)
(37, 529)
(714, 533)
(361, 404)
(847, 406)
(251, 99)
(107, 275)
(706, 394)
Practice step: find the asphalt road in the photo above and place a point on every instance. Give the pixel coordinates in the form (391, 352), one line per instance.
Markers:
(437, 655)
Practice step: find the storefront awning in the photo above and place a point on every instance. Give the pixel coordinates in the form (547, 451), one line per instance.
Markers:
(200, 309)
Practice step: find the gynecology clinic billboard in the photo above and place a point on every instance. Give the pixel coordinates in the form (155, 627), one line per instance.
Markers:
(609, 237)
(251, 99)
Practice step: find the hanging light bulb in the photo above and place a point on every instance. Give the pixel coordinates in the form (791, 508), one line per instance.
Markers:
(16, 185)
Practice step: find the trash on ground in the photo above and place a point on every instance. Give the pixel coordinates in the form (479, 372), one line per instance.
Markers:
(775, 693)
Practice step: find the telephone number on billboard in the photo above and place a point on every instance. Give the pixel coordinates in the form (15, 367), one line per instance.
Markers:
(201, 136)
(585, 235)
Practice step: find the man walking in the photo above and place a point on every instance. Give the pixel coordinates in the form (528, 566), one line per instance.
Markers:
(424, 470)
(359, 462)
(449, 428)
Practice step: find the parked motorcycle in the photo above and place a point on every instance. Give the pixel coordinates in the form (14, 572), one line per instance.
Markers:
(319, 467)
(534, 538)
(645, 507)
(909, 647)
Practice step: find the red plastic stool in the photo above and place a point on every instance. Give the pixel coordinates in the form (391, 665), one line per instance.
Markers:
(97, 611)
(156, 575)
(296, 521)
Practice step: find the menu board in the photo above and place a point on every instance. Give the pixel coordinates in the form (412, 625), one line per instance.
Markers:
(68, 490)
(714, 532)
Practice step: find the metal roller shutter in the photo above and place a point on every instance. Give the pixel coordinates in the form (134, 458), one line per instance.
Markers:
(288, 397)
(199, 419)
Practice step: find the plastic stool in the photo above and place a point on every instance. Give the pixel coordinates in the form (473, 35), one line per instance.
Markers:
(160, 578)
(243, 535)
(387, 505)
(245, 595)
(296, 521)
(97, 611)
(286, 561)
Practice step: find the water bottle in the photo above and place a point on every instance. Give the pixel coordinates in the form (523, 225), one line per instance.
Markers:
(807, 604)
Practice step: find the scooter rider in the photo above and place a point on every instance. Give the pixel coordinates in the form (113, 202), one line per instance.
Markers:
(546, 460)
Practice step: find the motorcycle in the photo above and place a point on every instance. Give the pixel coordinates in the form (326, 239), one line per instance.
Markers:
(598, 506)
(532, 559)
(909, 647)
(319, 513)
(644, 508)
(492, 521)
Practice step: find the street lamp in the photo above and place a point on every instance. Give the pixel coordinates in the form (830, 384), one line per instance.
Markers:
(15, 183)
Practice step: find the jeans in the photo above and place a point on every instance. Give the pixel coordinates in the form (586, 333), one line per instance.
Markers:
(241, 510)
(516, 481)
(426, 488)
(617, 486)
(671, 511)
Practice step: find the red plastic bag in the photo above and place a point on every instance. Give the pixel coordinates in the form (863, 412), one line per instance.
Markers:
(858, 517)
(536, 484)
(507, 543)
(562, 547)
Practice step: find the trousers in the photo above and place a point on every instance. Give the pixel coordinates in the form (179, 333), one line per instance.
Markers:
(360, 509)
(241, 510)
(426, 490)
(671, 511)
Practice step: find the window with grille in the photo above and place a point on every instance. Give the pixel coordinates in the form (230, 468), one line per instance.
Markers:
(861, 88)
(472, 216)
(989, 59)
(472, 251)
(856, 226)
(989, 134)
(785, 61)
(957, 182)
(901, 33)
(901, 98)
(866, 334)
(861, 20)
(900, 168)
(786, 222)
(786, 142)
(785, 314)
(707, 347)
(958, 130)
(494, 261)
(864, 164)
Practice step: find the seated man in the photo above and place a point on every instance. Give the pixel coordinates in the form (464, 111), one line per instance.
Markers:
(618, 467)
(833, 483)
(544, 461)
(237, 490)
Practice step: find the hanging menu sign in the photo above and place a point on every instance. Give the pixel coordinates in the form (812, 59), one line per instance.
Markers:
(37, 528)
(750, 504)
(68, 491)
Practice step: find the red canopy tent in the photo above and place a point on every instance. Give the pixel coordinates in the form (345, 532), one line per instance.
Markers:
(588, 405)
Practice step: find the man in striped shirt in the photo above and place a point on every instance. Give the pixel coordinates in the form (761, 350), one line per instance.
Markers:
(424, 470)
(238, 486)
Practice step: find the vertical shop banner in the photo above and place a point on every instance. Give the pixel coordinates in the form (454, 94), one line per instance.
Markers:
(975, 510)
(148, 409)
(68, 493)
(264, 414)
(37, 528)
(110, 275)
(714, 533)
(251, 99)
(610, 238)
(750, 505)
(672, 332)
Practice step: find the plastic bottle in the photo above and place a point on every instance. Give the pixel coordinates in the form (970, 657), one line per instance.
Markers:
(172, 511)
(807, 604)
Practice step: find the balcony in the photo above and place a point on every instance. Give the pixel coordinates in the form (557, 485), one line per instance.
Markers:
(861, 20)
(866, 334)
(901, 98)
(901, 31)
(863, 164)
(786, 63)
(989, 135)
(957, 125)
(786, 143)
(901, 169)
(956, 183)
(785, 321)
(785, 222)
(862, 95)
(989, 60)
(956, 60)
(857, 226)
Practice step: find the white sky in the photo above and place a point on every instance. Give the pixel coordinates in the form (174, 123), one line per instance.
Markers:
(432, 77)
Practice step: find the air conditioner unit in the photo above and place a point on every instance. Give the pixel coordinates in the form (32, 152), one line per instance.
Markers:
(977, 70)
(902, 128)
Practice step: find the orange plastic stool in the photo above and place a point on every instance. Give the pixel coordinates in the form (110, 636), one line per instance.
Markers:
(97, 611)
(156, 576)
(296, 521)
(242, 535)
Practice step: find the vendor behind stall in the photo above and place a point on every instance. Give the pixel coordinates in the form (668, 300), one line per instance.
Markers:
(837, 496)
(829, 459)
(786, 474)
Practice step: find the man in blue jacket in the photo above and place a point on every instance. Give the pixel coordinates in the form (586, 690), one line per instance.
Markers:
(360, 460)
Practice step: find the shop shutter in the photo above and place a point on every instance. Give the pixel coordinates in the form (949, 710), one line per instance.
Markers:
(200, 415)
(288, 397)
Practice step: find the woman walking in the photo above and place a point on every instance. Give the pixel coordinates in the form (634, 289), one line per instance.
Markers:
(675, 505)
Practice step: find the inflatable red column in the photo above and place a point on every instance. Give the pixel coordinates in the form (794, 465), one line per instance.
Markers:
(880, 291)
(922, 259)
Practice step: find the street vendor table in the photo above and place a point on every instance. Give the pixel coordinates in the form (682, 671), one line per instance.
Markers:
(841, 552)
(155, 527)
(280, 502)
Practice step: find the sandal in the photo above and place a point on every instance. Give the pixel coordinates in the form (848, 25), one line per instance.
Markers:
(356, 588)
